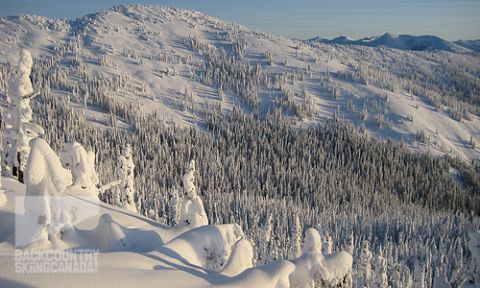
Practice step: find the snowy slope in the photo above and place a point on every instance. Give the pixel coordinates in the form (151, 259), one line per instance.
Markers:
(134, 252)
(148, 47)
(404, 42)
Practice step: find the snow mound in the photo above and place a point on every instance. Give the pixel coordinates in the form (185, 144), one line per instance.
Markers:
(273, 275)
(207, 246)
(109, 235)
(240, 259)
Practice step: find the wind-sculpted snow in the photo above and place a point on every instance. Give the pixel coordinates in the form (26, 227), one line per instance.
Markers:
(273, 275)
(109, 235)
(207, 246)
(240, 259)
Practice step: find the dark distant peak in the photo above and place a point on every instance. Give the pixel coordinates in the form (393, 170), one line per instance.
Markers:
(402, 41)
(473, 45)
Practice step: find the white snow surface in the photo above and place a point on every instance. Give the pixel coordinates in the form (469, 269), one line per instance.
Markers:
(137, 252)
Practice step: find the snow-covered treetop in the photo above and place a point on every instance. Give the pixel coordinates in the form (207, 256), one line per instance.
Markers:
(189, 180)
(44, 165)
(20, 84)
(313, 242)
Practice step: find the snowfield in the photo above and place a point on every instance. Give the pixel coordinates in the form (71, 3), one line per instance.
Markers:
(135, 251)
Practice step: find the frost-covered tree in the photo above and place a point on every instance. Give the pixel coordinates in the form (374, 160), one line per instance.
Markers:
(173, 206)
(313, 267)
(192, 212)
(265, 253)
(328, 245)
(364, 267)
(297, 238)
(474, 266)
(127, 180)
(418, 275)
(19, 129)
(81, 163)
(381, 277)
(3, 198)
(45, 179)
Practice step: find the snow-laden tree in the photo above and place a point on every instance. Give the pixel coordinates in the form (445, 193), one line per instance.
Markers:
(297, 238)
(19, 129)
(381, 277)
(474, 267)
(313, 267)
(192, 212)
(3, 198)
(265, 253)
(45, 179)
(127, 180)
(440, 280)
(81, 163)
(418, 275)
(173, 207)
(327, 246)
(396, 277)
(364, 267)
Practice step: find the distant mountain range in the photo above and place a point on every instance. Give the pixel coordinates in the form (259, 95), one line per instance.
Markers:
(406, 42)
(473, 45)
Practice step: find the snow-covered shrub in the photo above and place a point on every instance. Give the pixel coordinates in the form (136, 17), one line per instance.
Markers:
(82, 165)
(192, 212)
(45, 178)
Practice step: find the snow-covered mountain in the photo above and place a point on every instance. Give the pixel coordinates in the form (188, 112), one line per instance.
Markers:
(404, 42)
(163, 54)
(297, 181)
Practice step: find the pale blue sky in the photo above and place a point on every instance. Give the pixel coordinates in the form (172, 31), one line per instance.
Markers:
(449, 19)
